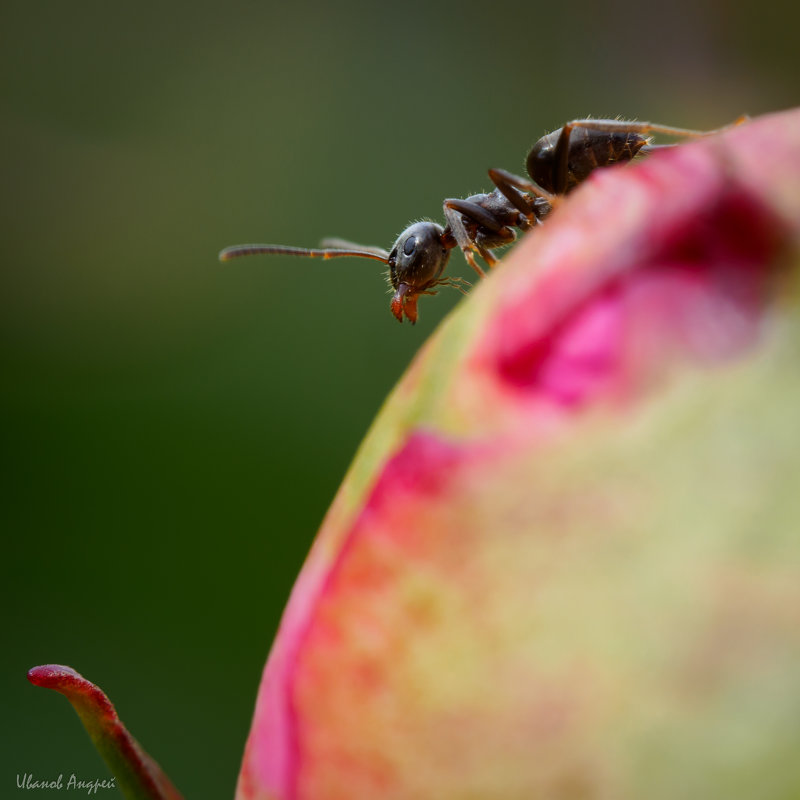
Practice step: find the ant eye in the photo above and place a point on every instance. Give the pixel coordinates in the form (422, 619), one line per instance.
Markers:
(411, 243)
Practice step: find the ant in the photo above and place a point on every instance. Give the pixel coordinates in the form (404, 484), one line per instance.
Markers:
(556, 164)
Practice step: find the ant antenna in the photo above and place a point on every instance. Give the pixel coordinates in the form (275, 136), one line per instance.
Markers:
(239, 250)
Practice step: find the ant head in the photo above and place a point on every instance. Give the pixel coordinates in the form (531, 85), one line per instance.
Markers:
(417, 260)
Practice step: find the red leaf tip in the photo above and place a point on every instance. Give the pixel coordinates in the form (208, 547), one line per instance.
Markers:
(73, 686)
(50, 676)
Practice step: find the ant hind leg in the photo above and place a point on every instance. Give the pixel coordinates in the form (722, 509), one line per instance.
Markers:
(643, 128)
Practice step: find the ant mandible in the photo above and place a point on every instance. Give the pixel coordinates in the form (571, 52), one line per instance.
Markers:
(556, 164)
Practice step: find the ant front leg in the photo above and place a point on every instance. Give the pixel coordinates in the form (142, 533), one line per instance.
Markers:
(456, 225)
(454, 282)
(454, 212)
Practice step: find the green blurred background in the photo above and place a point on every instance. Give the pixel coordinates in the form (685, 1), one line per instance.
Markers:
(173, 428)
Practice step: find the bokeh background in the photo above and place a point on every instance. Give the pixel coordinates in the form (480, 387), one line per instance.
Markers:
(173, 429)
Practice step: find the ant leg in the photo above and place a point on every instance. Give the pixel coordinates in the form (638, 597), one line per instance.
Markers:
(512, 187)
(652, 148)
(454, 282)
(626, 126)
(487, 256)
(463, 239)
(454, 212)
(477, 214)
(561, 157)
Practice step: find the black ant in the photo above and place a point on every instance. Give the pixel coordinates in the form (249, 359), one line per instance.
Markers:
(556, 164)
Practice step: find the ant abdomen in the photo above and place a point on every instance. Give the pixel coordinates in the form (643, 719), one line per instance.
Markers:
(587, 149)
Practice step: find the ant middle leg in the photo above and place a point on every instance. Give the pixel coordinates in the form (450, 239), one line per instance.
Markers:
(513, 188)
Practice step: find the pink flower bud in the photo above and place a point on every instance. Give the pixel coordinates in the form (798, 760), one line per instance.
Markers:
(565, 562)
